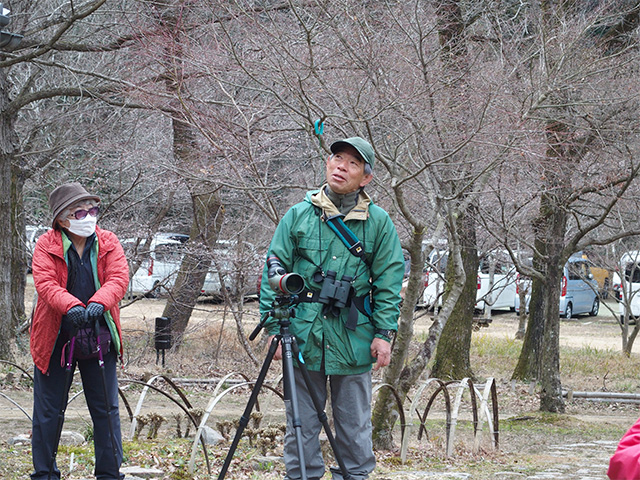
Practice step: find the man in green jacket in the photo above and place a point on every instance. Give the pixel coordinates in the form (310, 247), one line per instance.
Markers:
(339, 340)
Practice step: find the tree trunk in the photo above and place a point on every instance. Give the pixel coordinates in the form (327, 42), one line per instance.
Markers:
(7, 145)
(527, 367)
(208, 211)
(208, 215)
(523, 315)
(404, 375)
(452, 356)
(551, 399)
(540, 355)
(628, 343)
(453, 54)
(452, 360)
(384, 414)
(19, 258)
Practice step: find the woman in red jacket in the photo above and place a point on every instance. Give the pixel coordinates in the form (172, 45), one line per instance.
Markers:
(80, 274)
(625, 463)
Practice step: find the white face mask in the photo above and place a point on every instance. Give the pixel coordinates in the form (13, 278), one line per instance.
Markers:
(83, 228)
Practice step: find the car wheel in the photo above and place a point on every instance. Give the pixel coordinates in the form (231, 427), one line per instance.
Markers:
(568, 313)
(596, 308)
(632, 320)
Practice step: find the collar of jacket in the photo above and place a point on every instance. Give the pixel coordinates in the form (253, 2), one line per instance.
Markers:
(66, 245)
(359, 212)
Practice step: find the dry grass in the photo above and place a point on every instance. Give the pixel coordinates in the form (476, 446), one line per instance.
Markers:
(210, 351)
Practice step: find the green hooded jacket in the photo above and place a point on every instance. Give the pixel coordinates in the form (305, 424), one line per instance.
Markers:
(305, 244)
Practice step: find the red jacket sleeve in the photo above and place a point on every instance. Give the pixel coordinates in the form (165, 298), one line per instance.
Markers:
(625, 463)
(50, 274)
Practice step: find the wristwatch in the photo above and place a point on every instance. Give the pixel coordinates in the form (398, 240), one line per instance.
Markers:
(387, 334)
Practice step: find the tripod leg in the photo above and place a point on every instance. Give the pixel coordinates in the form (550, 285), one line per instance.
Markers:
(322, 416)
(290, 391)
(244, 420)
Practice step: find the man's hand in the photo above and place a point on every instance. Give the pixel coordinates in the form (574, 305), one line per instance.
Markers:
(381, 350)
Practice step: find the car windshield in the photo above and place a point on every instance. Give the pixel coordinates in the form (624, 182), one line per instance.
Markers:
(438, 261)
(502, 266)
(169, 252)
(632, 272)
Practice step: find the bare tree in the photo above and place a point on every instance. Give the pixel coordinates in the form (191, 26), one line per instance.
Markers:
(58, 58)
(579, 119)
(452, 356)
(305, 65)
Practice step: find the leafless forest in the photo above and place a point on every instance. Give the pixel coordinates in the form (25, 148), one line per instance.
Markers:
(506, 124)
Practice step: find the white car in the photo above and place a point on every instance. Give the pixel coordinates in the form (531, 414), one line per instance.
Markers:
(159, 265)
(33, 232)
(239, 265)
(629, 286)
(236, 264)
(498, 294)
(434, 278)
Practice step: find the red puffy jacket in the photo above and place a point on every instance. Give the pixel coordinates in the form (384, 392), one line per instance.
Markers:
(50, 277)
(625, 463)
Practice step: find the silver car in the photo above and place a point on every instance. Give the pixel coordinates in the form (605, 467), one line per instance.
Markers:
(578, 290)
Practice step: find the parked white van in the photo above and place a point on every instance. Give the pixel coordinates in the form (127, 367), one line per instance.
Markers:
(237, 265)
(630, 286)
(240, 267)
(499, 294)
(434, 271)
(159, 265)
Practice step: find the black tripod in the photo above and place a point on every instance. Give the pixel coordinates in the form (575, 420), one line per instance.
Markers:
(283, 310)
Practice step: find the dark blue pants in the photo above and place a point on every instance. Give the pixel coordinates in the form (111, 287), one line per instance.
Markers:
(49, 393)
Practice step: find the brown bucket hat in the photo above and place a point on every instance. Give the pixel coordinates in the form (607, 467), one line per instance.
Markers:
(66, 195)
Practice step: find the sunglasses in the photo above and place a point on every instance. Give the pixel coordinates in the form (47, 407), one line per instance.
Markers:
(80, 214)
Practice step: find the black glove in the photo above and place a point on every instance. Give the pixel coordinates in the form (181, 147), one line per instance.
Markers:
(74, 319)
(95, 310)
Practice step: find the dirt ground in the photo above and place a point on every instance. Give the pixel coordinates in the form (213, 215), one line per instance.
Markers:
(207, 356)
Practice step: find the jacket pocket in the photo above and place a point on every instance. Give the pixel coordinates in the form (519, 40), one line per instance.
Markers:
(359, 341)
(302, 327)
(310, 260)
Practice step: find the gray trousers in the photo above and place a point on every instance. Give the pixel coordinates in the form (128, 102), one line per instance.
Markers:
(351, 408)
